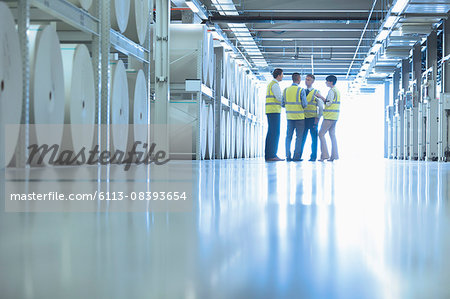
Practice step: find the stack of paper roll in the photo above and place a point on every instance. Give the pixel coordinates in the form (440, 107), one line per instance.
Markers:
(139, 19)
(138, 113)
(47, 91)
(10, 85)
(85, 4)
(79, 115)
(245, 92)
(120, 106)
(120, 12)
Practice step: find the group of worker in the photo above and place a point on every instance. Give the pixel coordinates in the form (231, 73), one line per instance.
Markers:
(304, 108)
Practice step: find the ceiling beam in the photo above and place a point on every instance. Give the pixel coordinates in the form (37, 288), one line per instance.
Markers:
(288, 19)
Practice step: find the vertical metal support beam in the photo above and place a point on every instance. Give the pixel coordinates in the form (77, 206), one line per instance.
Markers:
(23, 24)
(162, 87)
(432, 59)
(433, 105)
(445, 52)
(105, 109)
(417, 71)
(386, 117)
(417, 119)
(219, 51)
(404, 112)
(446, 89)
(96, 61)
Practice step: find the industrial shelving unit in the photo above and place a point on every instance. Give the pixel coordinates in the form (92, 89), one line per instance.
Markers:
(95, 23)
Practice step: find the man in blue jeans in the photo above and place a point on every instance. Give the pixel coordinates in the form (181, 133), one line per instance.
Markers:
(313, 113)
(273, 111)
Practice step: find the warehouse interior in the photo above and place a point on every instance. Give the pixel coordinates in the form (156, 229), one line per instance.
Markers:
(204, 215)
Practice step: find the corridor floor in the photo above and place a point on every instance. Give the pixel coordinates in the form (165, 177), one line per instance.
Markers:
(348, 229)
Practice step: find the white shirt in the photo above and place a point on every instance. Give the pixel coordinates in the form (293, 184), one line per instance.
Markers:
(277, 90)
(330, 97)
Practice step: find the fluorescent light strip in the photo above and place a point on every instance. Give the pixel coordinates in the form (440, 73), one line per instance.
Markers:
(192, 6)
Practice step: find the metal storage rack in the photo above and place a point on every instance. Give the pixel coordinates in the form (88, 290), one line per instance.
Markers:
(98, 26)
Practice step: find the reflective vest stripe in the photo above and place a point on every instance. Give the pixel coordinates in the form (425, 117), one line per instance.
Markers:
(332, 111)
(294, 109)
(311, 109)
(272, 104)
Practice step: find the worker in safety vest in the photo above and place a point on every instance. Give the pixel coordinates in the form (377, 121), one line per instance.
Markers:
(294, 100)
(313, 113)
(330, 117)
(273, 111)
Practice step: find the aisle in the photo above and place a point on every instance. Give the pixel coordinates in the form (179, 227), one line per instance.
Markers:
(378, 229)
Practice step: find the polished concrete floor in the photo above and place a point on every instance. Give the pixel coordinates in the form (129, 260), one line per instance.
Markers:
(349, 229)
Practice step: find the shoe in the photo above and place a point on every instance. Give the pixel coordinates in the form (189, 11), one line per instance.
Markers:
(312, 160)
(321, 160)
(275, 159)
(297, 160)
(330, 160)
(288, 159)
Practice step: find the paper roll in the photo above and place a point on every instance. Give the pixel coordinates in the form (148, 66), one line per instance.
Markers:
(226, 68)
(183, 129)
(120, 12)
(119, 106)
(138, 113)
(85, 4)
(10, 84)
(210, 141)
(234, 132)
(79, 98)
(186, 42)
(139, 19)
(47, 91)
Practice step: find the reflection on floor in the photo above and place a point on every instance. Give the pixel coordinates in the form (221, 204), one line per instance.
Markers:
(363, 229)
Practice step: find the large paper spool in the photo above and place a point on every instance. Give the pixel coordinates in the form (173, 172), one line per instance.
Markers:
(186, 42)
(120, 12)
(223, 134)
(47, 91)
(10, 84)
(234, 133)
(138, 113)
(79, 98)
(210, 130)
(224, 75)
(119, 106)
(238, 137)
(139, 19)
(85, 4)
(248, 139)
(237, 84)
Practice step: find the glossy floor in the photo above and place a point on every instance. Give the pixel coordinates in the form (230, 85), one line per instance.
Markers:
(358, 229)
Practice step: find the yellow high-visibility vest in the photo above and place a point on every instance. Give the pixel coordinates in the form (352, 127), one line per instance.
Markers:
(311, 109)
(272, 104)
(332, 112)
(293, 105)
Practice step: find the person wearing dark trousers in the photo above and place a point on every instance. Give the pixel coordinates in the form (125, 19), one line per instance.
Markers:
(313, 113)
(294, 100)
(273, 111)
